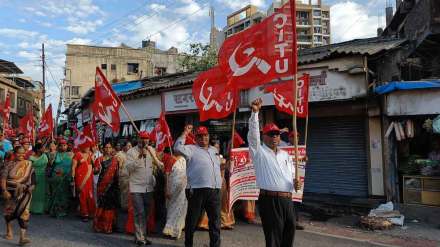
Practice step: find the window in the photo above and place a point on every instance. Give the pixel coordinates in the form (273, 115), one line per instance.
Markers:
(75, 90)
(21, 102)
(317, 39)
(160, 71)
(113, 67)
(12, 96)
(317, 30)
(316, 21)
(103, 66)
(2, 95)
(66, 91)
(132, 68)
(316, 12)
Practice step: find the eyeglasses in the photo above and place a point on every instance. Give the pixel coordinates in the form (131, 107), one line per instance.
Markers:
(273, 134)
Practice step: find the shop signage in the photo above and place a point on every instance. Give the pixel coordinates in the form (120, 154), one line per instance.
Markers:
(243, 185)
(325, 85)
(179, 100)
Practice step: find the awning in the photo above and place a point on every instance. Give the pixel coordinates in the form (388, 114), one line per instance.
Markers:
(406, 85)
(126, 86)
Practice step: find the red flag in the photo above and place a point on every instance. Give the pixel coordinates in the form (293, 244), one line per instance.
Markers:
(27, 125)
(6, 109)
(106, 104)
(262, 53)
(190, 139)
(46, 126)
(238, 141)
(162, 134)
(213, 98)
(84, 138)
(283, 96)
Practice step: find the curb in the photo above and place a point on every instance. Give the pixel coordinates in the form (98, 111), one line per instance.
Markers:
(349, 238)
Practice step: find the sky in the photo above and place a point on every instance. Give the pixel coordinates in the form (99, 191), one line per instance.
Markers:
(25, 24)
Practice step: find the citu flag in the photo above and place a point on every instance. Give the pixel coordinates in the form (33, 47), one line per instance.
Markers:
(264, 52)
(46, 126)
(84, 138)
(237, 140)
(106, 104)
(27, 125)
(6, 111)
(212, 96)
(162, 134)
(283, 96)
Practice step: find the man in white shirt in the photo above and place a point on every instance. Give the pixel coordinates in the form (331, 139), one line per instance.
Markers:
(275, 173)
(139, 164)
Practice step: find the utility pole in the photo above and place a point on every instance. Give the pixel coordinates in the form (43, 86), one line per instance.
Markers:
(60, 103)
(44, 77)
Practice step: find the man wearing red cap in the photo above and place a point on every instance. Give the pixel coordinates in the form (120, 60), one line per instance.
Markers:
(275, 173)
(140, 162)
(204, 184)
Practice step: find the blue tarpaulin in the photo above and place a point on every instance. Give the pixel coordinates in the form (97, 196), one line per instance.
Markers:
(406, 85)
(126, 86)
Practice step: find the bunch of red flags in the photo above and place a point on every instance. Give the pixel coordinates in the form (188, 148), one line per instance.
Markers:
(46, 126)
(258, 55)
(84, 138)
(106, 104)
(162, 134)
(27, 125)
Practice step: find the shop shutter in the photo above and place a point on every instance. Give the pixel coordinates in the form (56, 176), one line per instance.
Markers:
(337, 157)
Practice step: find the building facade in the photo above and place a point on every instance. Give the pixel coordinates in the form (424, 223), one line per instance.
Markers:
(117, 63)
(312, 22)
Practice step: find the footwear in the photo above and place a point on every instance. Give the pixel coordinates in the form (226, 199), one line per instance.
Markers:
(148, 242)
(9, 237)
(299, 227)
(140, 243)
(85, 219)
(24, 241)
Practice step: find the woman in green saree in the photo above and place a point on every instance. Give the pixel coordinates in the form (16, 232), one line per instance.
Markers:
(39, 162)
(59, 178)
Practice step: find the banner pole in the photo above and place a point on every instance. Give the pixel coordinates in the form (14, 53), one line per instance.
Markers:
(230, 150)
(130, 117)
(306, 131)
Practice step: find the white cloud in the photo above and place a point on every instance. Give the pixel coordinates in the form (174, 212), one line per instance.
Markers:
(237, 4)
(22, 20)
(350, 20)
(28, 55)
(193, 9)
(17, 33)
(157, 7)
(79, 41)
(83, 27)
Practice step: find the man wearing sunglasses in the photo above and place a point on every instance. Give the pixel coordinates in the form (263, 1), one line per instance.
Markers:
(275, 173)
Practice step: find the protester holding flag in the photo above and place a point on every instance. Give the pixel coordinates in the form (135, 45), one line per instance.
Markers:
(140, 164)
(274, 171)
(39, 163)
(107, 191)
(204, 183)
(175, 185)
(17, 184)
(82, 174)
(59, 178)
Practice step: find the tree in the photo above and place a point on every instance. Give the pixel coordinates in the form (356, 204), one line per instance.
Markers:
(200, 58)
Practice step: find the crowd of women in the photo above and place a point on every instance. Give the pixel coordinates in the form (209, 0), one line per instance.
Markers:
(92, 181)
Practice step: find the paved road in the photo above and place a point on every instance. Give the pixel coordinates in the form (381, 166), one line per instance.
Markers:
(47, 232)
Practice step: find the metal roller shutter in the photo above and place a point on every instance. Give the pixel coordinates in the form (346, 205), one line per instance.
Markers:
(337, 157)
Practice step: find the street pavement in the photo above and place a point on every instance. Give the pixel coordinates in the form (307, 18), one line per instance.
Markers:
(45, 231)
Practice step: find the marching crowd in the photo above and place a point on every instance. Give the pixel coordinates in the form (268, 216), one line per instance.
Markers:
(135, 189)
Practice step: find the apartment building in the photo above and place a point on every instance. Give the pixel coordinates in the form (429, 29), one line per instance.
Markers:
(118, 64)
(312, 21)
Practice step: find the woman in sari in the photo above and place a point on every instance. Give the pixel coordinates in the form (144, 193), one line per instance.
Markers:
(17, 183)
(82, 174)
(107, 191)
(39, 162)
(59, 178)
(175, 184)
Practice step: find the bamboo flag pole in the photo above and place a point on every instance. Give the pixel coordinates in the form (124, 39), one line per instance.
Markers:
(231, 147)
(129, 117)
(295, 87)
(306, 131)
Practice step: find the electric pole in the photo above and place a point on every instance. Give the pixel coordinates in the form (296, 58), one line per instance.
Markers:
(60, 103)
(44, 78)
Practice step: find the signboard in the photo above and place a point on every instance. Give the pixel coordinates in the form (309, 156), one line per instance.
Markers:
(242, 182)
(325, 85)
(179, 100)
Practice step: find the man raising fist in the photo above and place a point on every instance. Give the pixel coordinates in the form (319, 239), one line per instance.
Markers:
(275, 174)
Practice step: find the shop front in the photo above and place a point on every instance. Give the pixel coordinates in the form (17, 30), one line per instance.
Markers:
(413, 142)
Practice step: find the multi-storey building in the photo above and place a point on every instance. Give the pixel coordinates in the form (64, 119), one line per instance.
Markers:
(312, 21)
(120, 63)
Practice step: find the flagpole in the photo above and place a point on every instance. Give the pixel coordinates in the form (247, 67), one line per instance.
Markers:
(230, 149)
(129, 117)
(306, 132)
(295, 87)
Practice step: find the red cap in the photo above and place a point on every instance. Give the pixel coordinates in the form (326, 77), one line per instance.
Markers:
(271, 127)
(62, 141)
(144, 135)
(291, 134)
(202, 130)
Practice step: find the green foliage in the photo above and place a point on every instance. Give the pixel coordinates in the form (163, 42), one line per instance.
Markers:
(200, 58)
